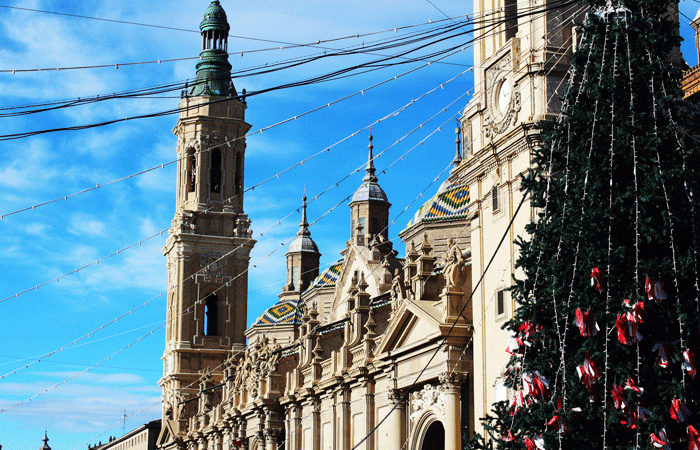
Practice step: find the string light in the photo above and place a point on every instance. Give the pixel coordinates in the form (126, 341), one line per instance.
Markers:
(396, 113)
(204, 268)
(260, 131)
(323, 78)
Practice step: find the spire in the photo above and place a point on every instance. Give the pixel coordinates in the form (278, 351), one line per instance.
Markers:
(370, 163)
(304, 225)
(303, 242)
(458, 154)
(213, 68)
(46, 442)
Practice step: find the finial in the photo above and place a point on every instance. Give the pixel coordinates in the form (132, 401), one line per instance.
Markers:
(46, 441)
(370, 162)
(303, 225)
(458, 153)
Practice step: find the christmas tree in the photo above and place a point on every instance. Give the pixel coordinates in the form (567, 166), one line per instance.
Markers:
(604, 340)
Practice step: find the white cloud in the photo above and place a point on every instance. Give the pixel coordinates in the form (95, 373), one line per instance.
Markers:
(37, 229)
(83, 224)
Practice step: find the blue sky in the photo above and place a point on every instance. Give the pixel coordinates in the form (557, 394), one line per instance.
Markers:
(45, 243)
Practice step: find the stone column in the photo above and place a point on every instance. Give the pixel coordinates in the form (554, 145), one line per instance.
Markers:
(344, 400)
(316, 422)
(298, 435)
(369, 412)
(288, 414)
(216, 441)
(270, 440)
(396, 421)
(242, 430)
(453, 418)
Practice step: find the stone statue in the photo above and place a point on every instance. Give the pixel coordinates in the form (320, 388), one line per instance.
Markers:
(454, 269)
(274, 357)
(180, 401)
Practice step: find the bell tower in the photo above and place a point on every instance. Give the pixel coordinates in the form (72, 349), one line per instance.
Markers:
(209, 240)
(521, 61)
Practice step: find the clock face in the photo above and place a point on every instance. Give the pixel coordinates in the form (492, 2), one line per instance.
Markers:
(503, 94)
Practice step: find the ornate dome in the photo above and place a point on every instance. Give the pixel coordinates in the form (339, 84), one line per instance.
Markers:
(284, 312)
(303, 242)
(215, 18)
(370, 191)
(328, 277)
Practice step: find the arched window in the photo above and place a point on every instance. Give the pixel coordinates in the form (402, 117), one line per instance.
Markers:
(215, 185)
(374, 226)
(434, 437)
(191, 172)
(211, 315)
(511, 25)
(239, 175)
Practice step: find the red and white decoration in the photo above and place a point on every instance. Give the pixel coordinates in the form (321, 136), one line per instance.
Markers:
(585, 321)
(655, 290)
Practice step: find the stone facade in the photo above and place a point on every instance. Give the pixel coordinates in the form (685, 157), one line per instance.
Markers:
(376, 352)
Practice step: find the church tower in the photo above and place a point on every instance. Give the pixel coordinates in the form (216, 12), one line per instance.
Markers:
(302, 259)
(369, 207)
(209, 240)
(521, 61)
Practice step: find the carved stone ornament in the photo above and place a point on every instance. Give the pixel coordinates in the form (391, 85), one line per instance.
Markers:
(242, 228)
(454, 269)
(398, 287)
(502, 110)
(213, 267)
(451, 380)
(498, 125)
(259, 360)
(429, 398)
(178, 131)
(171, 276)
(188, 222)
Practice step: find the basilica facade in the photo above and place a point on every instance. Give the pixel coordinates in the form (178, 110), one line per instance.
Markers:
(378, 351)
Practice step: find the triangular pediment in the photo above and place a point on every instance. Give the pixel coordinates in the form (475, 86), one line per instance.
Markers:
(167, 433)
(410, 325)
(356, 263)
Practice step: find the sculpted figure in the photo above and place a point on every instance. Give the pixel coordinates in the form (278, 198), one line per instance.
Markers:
(274, 356)
(454, 265)
(180, 399)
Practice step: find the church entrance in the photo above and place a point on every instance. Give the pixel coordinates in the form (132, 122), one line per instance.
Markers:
(435, 437)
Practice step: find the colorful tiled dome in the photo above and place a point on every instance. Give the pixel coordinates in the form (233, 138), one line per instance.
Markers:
(453, 203)
(328, 277)
(284, 312)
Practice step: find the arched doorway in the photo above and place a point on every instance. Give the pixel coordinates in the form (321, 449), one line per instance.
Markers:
(434, 437)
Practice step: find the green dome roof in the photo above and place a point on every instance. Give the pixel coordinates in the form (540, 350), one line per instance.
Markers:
(215, 18)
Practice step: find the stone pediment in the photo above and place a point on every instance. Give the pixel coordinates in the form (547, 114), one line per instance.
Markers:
(356, 262)
(167, 433)
(411, 324)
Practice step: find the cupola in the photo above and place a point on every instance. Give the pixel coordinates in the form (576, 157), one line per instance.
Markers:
(213, 68)
(302, 257)
(369, 208)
